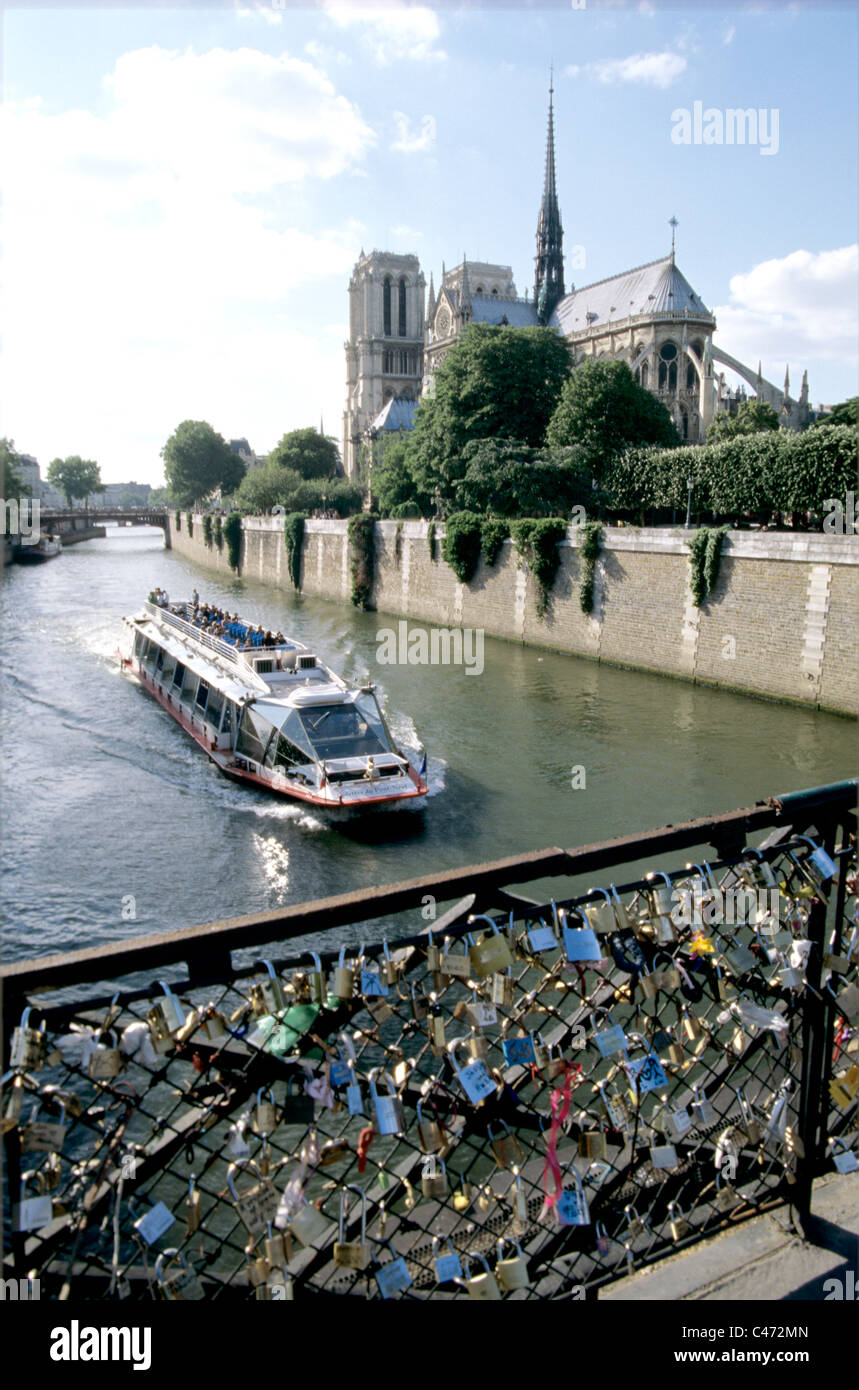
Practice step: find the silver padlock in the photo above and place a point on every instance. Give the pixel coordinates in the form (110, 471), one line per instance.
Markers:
(433, 1177)
(352, 1254)
(180, 1283)
(846, 1161)
(105, 1061)
(600, 915)
(475, 1077)
(501, 989)
(29, 1045)
(165, 1017)
(388, 1109)
(45, 1136)
(32, 1213)
(702, 1110)
(265, 1112)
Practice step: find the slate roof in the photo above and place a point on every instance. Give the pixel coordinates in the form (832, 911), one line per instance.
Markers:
(657, 287)
(487, 308)
(396, 415)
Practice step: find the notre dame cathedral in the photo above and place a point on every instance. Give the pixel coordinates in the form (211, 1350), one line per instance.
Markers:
(649, 317)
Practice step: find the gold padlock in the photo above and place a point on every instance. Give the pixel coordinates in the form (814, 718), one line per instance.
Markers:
(491, 954)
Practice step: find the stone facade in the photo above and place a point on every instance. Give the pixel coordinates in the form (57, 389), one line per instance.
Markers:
(780, 623)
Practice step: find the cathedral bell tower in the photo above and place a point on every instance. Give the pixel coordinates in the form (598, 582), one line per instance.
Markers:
(549, 275)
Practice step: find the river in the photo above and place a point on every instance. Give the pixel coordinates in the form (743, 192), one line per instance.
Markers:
(115, 824)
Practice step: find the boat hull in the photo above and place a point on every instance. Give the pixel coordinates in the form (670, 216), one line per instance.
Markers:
(237, 770)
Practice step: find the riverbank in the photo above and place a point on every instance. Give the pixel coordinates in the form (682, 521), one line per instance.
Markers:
(779, 624)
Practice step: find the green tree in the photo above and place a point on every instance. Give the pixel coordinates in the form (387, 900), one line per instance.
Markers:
(603, 410)
(753, 417)
(159, 497)
(13, 484)
(847, 413)
(507, 478)
(197, 460)
(307, 452)
(501, 383)
(267, 487)
(75, 477)
(393, 485)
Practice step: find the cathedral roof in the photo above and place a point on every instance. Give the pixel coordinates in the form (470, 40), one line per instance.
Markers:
(656, 288)
(397, 414)
(489, 308)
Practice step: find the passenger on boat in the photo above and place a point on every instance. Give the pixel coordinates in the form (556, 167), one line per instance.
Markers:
(195, 598)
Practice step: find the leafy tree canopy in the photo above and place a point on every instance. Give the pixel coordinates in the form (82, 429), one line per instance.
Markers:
(307, 452)
(197, 460)
(847, 413)
(604, 410)
(505, 477)
(75, 477)
(395, 491)
(753, 417)
(13, 483)
(495, 382)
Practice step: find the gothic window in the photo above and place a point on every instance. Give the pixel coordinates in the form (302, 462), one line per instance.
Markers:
(403, 365)
(402, 324)
(685, 419)
(645, 374)
(479, 290)
(690, 377)
(386, 306)
(387, 361)
(668, 366)
(494, 291)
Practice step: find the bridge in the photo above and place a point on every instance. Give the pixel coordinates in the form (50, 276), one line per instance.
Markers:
(81, 524)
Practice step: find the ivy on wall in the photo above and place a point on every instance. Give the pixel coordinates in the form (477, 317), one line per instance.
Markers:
(398, 542)
(461, 544)
(493, 534)
(207, 529)
(431, 542)
(177, 517)
(219, 533)
(591, 534)
(705, 555)
(233, 538)
(293, 536)
(537, 543)
(362, 541)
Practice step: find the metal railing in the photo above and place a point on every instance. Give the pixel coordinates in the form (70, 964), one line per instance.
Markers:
(625, 1082)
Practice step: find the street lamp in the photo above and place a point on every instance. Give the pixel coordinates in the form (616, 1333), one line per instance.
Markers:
(689, 485)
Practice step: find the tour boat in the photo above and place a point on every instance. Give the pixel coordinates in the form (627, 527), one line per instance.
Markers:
(271, 715)
(45, 548)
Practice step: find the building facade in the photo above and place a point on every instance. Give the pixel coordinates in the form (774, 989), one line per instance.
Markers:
(649, 317)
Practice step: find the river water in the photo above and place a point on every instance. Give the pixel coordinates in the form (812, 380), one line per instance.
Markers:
(116, 824)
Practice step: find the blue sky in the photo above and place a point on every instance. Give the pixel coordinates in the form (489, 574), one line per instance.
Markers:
(186, 191)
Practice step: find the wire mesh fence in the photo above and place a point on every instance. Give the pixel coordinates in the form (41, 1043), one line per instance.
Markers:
(519, 1100)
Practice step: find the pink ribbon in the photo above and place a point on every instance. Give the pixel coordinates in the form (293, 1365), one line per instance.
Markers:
(552, 1169)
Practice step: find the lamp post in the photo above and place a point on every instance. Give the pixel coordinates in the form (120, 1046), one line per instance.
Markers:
(689, 486)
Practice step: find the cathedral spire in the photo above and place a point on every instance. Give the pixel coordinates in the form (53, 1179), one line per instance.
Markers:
(431, 299)
(549, 275)
(465, 293)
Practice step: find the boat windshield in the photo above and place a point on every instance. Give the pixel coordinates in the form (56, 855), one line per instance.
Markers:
(347, 731)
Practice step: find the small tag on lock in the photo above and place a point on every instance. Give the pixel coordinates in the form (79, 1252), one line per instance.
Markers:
(339, 1073)
(649, 1073)
(372, 984)
(154, 1223)
(481, 1014)
(572, 1208)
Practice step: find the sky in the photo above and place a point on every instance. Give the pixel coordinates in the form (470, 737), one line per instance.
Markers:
(186, 190)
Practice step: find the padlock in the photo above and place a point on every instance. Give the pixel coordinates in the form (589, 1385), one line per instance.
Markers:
(847, 1002)
(663, 1156)
(759, 871)
(152, 1225)
(420, 1004)
(702, 1110)
(677, 1122)
(501, 989)
(389, 1108)
(778, 1117)
(29, 1045)
(675, 1053)
(571, 1208)
(463, 1198)
(44, 1136)
(648, 983)
(52, 1171)
(615, 1107)
(591, 1142)
(844, 1087)
(690, 1025)
(447, 1267)
(790, 976)
(846, 1161)
(267, 996)
(610, 1040)
(511, 1273)
(601, 1241)
(491, 955)
(265, 1113)
(474, 1078)
(393, 1277)
(505, 1147)
(519, 1052)
(543, 935)
(819, 865)
(750, 1124)
(213, 1024)
(430, 1133)
(165, 1017)
(726, 1198)
(455, 966)
(661, 902)
(521, 1219)
(105, 1061)
(706, 897)
(668, 977)
(580, 942)
(352, 1254)
(481, 1287)
(298, 1107)
(257, 1205)
(433, 955)
(317, 984)
(478, 1045)
(192, 1208)
(343, 980)
(435, 1028)
(277, 1247)
(309, 1224)
(433, 1177)
(181, 1283)
(373, 983)
(678, 1224)
(634, 1224)
(600, 915)
(390, 968)
(14, 1103)
(32, 1213)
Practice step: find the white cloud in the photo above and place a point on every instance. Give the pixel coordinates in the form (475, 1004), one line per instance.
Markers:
(796, 309)
(402, 229)
(394, 34)
(651, 69)
(728, 35)
(155, 241)
(265, 12)
(417, 142)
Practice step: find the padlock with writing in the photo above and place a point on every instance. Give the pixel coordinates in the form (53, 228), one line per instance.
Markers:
(475, 1077)
(542, 935)
(506, 1149)
(256, 1205)
(29, 1045)
(591, 1142)
(844, 1087)
(176, 1279)
(610, 1039)
(105, 1060)
(572, 1205)
(600, 914)
(819, 865)
(388, 1109)
(393, 1277)
(343, 980)
(726, 1198)
(615, 1107)
(32, 1213)
(512, 1272)
(433, 1177)
(373, 983)
(456, 964)
(492, 953)
(44, 1136)
(352, 1254)
(502, 989)
(267, 996)
(843, 1156)
(420, 1003)
(165, 1017)
(677, 1122)
(519, 1051)
(483, 1287)
(448, 1266)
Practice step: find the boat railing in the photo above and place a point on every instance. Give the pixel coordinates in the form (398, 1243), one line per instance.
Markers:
(204, 639)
